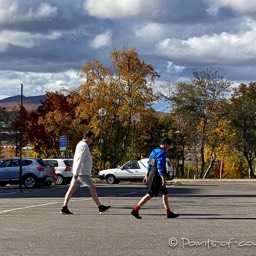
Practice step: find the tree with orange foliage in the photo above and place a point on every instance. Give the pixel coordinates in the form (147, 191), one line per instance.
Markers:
(125, 91)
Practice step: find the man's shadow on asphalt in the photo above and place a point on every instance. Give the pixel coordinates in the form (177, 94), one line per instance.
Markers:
(186, 216)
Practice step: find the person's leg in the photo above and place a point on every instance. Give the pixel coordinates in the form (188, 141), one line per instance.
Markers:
(86, 180)
(94, 195)
(166, 201)
(70, 192)
(143, 200)
(169, 213)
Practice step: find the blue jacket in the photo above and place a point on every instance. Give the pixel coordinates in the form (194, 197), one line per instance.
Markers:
(160, 155)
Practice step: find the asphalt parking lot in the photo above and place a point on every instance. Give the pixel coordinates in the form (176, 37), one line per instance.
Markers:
(215, 219)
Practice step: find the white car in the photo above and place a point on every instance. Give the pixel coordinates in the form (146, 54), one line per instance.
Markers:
(132, 170)
(63, 169)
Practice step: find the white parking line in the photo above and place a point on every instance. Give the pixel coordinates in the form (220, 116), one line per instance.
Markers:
(41, 205)
(26, 207)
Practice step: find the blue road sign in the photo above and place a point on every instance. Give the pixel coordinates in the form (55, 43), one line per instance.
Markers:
(63, 142)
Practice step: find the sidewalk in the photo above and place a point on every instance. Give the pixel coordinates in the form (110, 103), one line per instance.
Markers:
(180, 181)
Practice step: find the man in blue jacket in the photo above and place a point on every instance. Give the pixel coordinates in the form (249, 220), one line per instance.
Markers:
(155, 179)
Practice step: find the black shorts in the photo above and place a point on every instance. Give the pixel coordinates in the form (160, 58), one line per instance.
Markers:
(154, 191)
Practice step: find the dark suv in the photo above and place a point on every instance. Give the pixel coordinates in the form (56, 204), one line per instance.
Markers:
(34, 171)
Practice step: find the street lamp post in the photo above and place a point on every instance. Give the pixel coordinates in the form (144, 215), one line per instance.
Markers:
(102, 112)
(21, 136)
(177, 134)
(133, 138)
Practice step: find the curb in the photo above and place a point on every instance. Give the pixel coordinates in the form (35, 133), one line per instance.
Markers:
(180, 181)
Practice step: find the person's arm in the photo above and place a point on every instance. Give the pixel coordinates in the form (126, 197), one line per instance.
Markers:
(147, 173)
(146, 177)
(161, 166)
(163, 180)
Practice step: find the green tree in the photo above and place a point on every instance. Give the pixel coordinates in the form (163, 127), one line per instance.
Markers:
(197, 104)
(4, 126)
(5, 117)
(242, 116)
(19, 133)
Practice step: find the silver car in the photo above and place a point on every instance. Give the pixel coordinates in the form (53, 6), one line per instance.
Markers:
(34, 171)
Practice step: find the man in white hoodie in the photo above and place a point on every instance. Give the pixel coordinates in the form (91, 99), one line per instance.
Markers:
(82, 167)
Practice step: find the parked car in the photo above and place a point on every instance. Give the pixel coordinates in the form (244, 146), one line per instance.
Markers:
(63, 169)
(34, 171)
(132, 171)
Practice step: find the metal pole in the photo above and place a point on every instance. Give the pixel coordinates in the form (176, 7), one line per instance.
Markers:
(177, 134)
(102, 113)
(101, 123)
(133, 140)
(21, 137)
(220, 169)
(177, 160)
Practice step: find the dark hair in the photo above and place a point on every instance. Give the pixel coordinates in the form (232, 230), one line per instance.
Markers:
(88, 134)
(166, 141)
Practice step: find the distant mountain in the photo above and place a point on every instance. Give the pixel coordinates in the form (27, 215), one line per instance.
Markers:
(33, 102)
(30, 103)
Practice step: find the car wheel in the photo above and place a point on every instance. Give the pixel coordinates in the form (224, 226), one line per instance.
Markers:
(111, 179)
(59, 180)
(29, 181)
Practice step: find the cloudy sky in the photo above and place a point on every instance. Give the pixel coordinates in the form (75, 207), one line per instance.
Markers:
(44, 44)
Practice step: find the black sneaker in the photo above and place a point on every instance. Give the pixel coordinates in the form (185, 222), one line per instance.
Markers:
(172, 215)
(103, 208)
(65, 210)
(136, 214)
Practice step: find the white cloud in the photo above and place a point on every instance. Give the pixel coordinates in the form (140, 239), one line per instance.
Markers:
(11, 12)
(150, 31)
(239, 6)
(24, 39)
(7, 11)
(37, 83)
(115, 9)
(223, 48)
(101, 40)
(17, 38)
(44, 11)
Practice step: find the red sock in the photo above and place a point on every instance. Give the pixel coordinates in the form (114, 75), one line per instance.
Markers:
(168, 211)
(136, 208)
